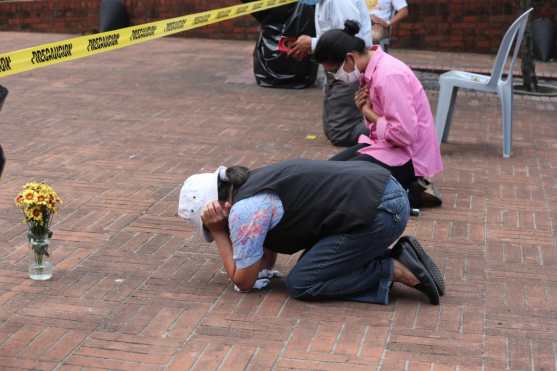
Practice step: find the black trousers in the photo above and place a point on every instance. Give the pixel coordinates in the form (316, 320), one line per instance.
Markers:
(354, 266)
(404, 174)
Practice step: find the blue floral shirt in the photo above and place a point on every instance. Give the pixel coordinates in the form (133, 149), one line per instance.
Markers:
(249, 221)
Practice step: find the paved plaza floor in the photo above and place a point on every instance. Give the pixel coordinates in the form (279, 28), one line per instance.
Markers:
(135, 289)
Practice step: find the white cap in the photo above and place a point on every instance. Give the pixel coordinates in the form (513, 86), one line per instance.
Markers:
(197, 191)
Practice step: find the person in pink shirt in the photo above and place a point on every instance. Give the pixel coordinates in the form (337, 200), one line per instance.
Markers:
(396, 109)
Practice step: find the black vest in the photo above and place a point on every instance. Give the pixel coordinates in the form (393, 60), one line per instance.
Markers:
(320, 198)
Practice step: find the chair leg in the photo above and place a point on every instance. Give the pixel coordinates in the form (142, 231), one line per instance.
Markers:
(506, 96)
(445, 109)
(454, 93)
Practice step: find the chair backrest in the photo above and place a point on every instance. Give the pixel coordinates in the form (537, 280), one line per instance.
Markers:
(514, 35)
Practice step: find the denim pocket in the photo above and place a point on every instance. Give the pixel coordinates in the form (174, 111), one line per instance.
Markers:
(396, 204)
(393, 207)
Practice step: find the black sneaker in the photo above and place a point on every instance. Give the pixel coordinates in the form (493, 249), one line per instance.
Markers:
(425, 259)
(422, 194)
(410, 260)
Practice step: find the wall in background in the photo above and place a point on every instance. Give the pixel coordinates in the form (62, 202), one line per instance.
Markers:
(448, 25)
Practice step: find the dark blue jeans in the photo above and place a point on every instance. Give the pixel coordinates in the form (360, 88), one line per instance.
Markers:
(354, 266)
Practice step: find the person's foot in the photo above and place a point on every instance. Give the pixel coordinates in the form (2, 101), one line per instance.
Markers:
(411, 272)
(422, 194)
(411, 242)
(403, 275)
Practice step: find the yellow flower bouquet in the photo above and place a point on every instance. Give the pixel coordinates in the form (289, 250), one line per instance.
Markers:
(39, 202)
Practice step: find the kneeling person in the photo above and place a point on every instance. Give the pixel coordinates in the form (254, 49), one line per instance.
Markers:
(344, 215)
(402, 135)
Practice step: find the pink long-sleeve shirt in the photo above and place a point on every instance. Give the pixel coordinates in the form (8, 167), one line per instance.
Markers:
(405, 129)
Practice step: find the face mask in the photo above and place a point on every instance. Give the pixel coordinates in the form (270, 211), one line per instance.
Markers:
(348, 77)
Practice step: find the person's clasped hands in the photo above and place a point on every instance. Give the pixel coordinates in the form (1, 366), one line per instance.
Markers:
(214, 216)
(361, 98)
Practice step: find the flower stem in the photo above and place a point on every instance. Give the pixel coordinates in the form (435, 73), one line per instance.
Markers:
(39, 258)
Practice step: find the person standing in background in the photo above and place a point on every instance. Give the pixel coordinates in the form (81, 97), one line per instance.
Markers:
(342, 121)
(385, 14)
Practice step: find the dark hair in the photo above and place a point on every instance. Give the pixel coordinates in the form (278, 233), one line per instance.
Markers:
(237, 175)
(333, 45)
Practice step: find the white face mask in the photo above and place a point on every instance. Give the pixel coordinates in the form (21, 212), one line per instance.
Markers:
(348, 77)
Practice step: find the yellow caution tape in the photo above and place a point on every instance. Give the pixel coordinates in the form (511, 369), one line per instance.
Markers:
(84, 46)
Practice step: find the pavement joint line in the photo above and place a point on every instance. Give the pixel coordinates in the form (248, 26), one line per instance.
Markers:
(72, 351)
(362, 341)
(484, 340)
(285, 345)
(387, 339)
(225, 358)
(337, 339)
(252, 357)
(554, 346)
(461, 319)
(417, 315)
(194, 364)
(279, 314)
(508, 355)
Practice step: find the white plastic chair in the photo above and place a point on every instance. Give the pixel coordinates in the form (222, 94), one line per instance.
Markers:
(496, 83)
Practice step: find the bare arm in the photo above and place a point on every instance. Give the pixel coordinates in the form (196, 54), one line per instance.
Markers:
(215, 216)
(243, 278)
(269, 259)
(399, 16)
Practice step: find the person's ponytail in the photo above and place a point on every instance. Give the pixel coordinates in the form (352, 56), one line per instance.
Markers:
(232, 180)
(351, 27)
(237, 175)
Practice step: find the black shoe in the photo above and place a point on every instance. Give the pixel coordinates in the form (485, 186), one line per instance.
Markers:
(422, 194)
(425, 259)
(410, 260)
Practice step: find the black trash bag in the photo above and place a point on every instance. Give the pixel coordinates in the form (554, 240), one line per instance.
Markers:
(543, 32)
(113, 15)
(2, 160)
(3, 95)
(273, 68)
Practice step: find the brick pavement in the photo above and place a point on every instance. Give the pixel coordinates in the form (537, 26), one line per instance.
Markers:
(134, 289)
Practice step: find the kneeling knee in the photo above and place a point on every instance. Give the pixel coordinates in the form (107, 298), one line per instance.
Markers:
(294, 286)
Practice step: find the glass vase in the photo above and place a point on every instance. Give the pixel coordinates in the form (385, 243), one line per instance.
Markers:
(40, 268)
